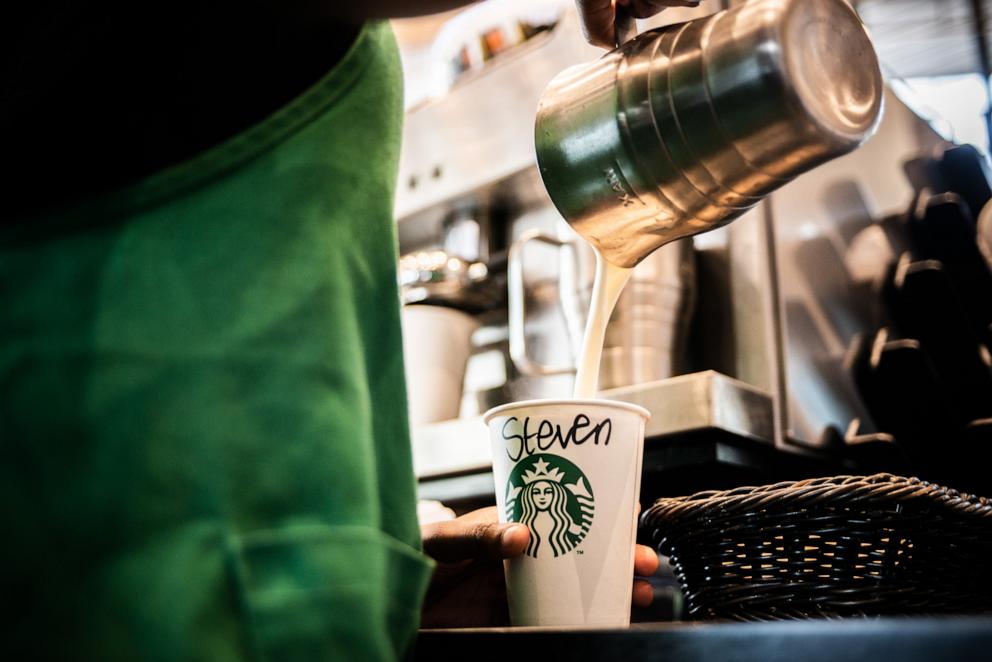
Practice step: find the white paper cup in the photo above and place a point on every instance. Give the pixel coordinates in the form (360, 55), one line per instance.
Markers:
(437, 343)
(571, 471)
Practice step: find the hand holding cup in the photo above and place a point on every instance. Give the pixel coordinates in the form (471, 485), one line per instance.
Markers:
(468, 589)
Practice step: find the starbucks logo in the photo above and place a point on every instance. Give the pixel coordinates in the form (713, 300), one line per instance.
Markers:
(553, 498)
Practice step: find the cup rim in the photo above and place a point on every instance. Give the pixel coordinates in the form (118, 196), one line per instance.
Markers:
(557, 402)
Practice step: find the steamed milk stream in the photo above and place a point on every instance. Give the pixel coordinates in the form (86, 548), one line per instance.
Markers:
(606, 289)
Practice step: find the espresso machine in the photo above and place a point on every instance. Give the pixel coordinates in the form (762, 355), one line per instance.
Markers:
(751, 345)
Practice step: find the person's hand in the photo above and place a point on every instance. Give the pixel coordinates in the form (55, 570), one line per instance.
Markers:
(599, 16)
(468, 589)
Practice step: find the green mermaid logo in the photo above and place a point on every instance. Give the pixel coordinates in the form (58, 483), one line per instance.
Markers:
(553, 498)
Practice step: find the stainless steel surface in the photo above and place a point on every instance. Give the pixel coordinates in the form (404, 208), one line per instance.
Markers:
(700, 401)
(436, 277)
(648, 331)
(756, 323)
(517, 297)
(646, 337)
(706, 400)
(917, 38)
(827, 298)
(547, 331)
(684, 128)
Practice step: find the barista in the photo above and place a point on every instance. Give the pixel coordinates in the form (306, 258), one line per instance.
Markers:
(205, 449)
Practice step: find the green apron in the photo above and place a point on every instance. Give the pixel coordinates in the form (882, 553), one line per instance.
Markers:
(204, 451)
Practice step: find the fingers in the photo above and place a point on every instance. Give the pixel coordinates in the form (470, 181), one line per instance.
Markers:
(597, 18)
(477, 535)
(513, 541)
(645, 561)
(643, 594)
(645, 564)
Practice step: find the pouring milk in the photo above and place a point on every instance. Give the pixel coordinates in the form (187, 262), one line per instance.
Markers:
(606, 289)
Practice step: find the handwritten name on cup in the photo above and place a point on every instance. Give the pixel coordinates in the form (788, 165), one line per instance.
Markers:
(538, 435)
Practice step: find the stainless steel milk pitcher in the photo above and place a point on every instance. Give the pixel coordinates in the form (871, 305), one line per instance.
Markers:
(684, 128)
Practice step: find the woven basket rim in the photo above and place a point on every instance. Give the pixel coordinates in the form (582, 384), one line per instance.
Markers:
(863, 491)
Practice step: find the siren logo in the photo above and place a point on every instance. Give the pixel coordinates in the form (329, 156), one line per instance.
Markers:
(553, 498)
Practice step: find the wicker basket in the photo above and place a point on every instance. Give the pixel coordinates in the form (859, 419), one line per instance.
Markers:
(843, 546)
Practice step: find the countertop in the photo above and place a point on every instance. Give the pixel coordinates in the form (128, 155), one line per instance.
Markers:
(851, 640)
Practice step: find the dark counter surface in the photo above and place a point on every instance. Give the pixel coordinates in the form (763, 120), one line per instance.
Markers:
(852, 640)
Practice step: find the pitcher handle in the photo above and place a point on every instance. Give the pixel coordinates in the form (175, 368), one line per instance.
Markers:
(516, 296)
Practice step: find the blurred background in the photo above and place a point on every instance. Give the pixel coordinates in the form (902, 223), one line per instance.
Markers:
(843, 325)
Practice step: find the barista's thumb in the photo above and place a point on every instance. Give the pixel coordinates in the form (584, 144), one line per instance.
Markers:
(476, 535)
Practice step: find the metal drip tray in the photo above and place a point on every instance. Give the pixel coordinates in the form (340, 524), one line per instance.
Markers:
(703, 400)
